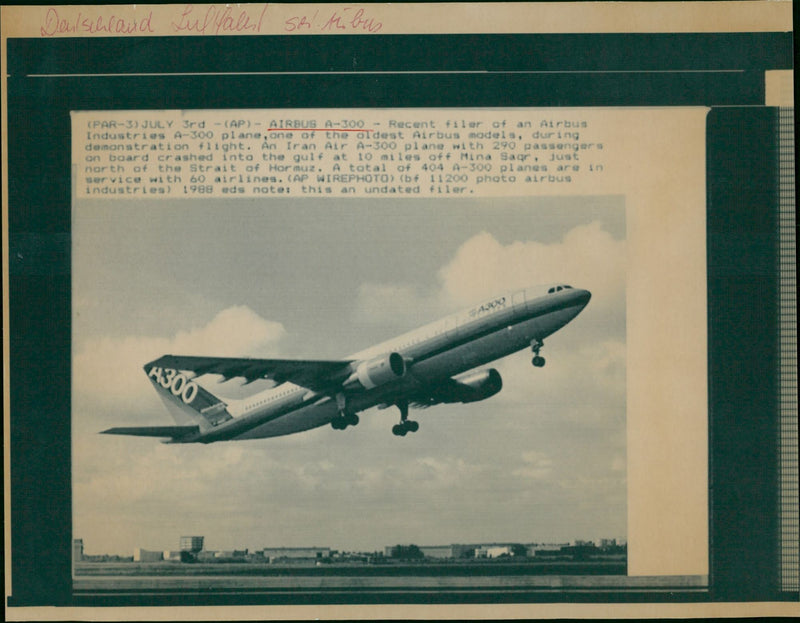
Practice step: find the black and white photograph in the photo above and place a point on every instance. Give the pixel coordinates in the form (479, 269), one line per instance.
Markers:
(350, 384)
(399, 311)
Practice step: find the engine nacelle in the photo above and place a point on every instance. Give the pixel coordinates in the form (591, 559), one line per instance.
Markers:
(378, 371)
(477, 385)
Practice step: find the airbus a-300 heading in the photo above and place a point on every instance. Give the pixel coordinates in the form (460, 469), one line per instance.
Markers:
(431, 365)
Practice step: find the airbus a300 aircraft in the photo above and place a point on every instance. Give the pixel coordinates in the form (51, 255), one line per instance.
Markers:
(431, 365)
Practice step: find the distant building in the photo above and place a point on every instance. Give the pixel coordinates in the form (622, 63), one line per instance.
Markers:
(274, 554)
(143, 555)
(173, 555)
(493, 551)
(231, 553)
(437, 551)
(77, 550)
(192, 544)
(608, 543)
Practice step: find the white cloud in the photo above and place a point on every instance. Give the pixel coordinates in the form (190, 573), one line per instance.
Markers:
(235, 331)
(586, 257)
(109, 370)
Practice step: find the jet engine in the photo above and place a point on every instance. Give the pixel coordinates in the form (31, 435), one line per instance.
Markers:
(474, 386)
(378, 371)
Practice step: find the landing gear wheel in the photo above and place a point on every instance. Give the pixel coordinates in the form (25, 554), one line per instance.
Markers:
(405, 425)
(409, 426)
(399, 430)
(537, 360)
(343, 420)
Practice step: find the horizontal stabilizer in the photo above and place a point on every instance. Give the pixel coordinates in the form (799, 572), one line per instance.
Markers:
(153, 431)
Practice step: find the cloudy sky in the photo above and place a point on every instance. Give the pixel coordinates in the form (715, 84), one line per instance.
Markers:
(544, 460)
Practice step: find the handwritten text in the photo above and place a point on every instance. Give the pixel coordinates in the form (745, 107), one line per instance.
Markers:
(56, 24)
(219, 19)
(349, 19)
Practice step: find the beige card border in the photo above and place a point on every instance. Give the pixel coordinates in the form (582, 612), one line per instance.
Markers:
(550, 17)
(395, 18)
(412, 612)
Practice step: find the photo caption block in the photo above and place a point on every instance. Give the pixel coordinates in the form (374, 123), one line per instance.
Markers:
(244, 153)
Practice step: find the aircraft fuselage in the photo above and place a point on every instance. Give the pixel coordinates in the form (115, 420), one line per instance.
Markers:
(432, 353)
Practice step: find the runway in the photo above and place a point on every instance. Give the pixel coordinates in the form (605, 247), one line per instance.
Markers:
(161, 578)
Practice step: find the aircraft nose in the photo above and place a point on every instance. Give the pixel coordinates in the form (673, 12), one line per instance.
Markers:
(583, 296)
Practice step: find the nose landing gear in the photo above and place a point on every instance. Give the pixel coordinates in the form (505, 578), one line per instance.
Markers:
(405, 425)
(537, 361)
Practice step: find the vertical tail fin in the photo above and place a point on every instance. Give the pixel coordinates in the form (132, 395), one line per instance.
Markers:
(187, 402)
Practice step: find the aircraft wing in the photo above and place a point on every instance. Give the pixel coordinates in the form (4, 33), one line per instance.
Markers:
(314, 374)
(153, 431)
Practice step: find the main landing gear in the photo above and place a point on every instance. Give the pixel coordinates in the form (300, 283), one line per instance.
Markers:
(346, 417)
(537, 360)
(405, 425)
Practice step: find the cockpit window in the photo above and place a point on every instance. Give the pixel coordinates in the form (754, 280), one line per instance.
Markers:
(551, 290)
(559, 288)
(566, 287)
